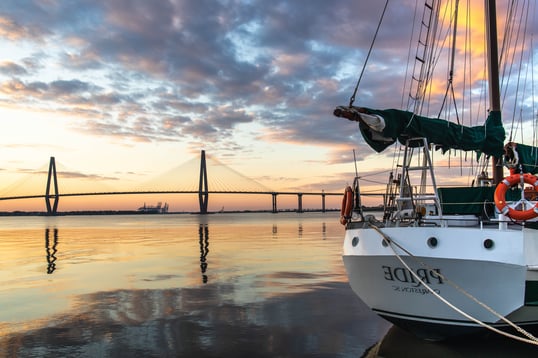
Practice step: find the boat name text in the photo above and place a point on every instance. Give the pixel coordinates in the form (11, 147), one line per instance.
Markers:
(400, 274)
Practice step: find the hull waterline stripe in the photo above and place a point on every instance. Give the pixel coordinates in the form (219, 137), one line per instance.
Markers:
(444, 320)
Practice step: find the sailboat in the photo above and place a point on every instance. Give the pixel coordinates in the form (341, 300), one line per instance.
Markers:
(447, 261)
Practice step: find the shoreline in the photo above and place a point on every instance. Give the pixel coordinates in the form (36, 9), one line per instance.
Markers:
(137, 212)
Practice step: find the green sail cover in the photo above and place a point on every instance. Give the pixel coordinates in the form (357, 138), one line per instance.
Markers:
(401, 125)
(471, 200)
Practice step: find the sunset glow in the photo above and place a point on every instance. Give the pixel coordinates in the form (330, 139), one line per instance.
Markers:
(121, 96)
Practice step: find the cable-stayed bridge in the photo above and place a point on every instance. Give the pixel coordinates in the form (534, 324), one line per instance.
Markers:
(192, 178)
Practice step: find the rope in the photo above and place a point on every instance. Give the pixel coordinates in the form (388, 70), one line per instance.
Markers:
(352, 99)
(531, 339)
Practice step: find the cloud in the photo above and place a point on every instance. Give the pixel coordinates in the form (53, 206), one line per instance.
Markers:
(62, 87)
(12, 30)
(79, 175)
(10, 68)
(73, 92)
(214, 64)
(65, 174)
(20, 89)
(196, 71)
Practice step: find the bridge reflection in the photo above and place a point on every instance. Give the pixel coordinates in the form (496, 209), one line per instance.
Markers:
(51, 246)
(203, 233)
(51, 249)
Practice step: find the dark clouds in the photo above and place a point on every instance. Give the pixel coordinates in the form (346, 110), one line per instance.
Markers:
(194, 71)
(12, 69)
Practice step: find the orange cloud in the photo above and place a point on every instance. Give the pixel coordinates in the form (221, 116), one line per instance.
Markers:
(10, 30)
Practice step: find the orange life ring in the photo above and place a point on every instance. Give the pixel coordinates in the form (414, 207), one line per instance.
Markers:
(347, 206)
(500, 197)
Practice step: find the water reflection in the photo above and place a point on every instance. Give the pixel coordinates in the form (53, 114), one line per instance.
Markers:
(203, 234)
(51, 249)
(300, 230)
(139, 287)
(201, 322)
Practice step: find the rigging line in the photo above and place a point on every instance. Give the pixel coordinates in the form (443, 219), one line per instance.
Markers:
(429, 59)
(437, 41)
(370, 174)
(352, 99)
(396, 156)
(409, 59)
(509, 15)
(433, 60)
(483, 86)
(510, 51)
(373, 181)
(355, 161)
(515, 125)
(422, 80)
(532, 76)
(450, 85)
(467, 68)
(475, 115)
(422, 43)
(518, 105)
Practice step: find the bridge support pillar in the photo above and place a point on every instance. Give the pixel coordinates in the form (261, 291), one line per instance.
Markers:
(323, 201)
(275, 209)
(203, 192)
(52, 209)
(299, 202)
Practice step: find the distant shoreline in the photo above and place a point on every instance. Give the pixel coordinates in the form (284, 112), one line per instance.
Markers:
(136, 212)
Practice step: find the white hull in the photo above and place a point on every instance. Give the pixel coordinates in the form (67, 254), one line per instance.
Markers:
(500, 276)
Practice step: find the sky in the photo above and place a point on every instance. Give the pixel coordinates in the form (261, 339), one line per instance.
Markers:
(121, 91)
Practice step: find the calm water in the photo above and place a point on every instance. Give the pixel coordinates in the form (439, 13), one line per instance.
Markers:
(223, 285)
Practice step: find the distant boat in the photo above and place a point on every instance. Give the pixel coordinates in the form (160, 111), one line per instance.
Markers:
(158, 209)
(442, 262)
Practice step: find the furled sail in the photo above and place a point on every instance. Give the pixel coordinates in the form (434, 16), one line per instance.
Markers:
(381, 128)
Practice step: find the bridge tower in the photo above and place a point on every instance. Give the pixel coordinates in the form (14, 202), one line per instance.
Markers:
(299, 202)
(52, 209)
(203, 192)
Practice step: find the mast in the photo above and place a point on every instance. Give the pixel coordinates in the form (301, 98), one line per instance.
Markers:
(493, 75)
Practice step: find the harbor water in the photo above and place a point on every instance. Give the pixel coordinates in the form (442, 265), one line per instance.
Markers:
(180, 285)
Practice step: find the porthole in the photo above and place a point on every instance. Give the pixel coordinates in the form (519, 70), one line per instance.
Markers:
(384, 243)
(432, 242)
(355, 241)
(488, 243)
